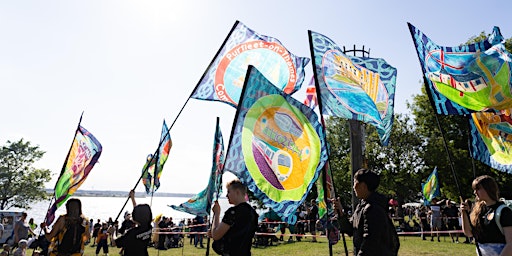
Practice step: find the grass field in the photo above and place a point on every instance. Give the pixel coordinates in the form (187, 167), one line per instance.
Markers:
(409, 246)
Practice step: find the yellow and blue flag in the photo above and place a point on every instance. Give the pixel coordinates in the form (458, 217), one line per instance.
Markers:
(277, 147)
(430, 188)
(491, 138)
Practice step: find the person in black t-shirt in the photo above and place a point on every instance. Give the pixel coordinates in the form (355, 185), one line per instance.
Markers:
(485, 230)
(136, 240)
(238, 224)
(452, 214)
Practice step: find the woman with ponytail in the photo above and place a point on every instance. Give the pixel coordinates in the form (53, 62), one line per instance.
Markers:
(482, 223)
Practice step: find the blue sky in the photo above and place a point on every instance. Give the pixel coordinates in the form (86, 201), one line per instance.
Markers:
(130, 64)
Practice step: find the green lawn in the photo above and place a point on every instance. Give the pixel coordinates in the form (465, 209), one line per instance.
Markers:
(409, 246)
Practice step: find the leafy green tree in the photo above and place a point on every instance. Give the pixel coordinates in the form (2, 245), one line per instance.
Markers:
(21, 184)
(338, 137)
(400, 163)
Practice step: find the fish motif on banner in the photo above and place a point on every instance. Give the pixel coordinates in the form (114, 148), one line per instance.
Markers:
(351, 87)
(278, 146)
(224, 78)
(466, 78)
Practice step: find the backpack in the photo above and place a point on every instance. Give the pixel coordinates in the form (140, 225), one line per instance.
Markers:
(497, 214)
(70, 240)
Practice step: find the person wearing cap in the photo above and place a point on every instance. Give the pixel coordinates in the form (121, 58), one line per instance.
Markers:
(22, 248)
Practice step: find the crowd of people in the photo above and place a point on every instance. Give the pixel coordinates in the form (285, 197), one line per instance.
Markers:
(371, 226)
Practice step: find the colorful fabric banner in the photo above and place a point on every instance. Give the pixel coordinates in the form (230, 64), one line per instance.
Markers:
(357, 88)
(311, 100)
(325, 191)
(201, 203)
(277, 147)
(466, 78)
(224, 78)
(491, 139)
(84, 153)
(430, 188)
(320, 199)
(155, 164)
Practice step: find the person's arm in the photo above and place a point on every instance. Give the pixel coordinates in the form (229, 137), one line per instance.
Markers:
(464, 207)
(16, 228)
(59, 224)
(87, 232)
(132, 197)
(219, 229)
(507, 231)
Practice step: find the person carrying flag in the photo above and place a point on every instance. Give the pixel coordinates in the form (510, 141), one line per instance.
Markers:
(233, 236)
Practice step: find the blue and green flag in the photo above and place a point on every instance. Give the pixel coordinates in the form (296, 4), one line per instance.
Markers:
(152, 170)
(277, 147)
(466, 78)
(351, 87)
(224, 77)
(201, 203)
(430, 188)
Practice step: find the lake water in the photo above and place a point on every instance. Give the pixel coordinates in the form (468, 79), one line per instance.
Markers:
(105, 207)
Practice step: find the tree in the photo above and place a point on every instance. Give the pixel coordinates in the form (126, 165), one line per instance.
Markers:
(21, 184)
(399, 164)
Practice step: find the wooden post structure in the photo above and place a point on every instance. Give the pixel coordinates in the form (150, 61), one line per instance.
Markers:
(357, 132)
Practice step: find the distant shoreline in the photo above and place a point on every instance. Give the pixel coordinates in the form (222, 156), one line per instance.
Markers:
(104, 193)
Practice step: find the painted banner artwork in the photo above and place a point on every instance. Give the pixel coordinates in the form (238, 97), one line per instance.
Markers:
(224, 78)
(311, 100)
(466, 78)
(155, 164)
(277, 147)
(430, 188)
(320, 199)
(491, 139)
(84, 153)
(357, 88)
(201, 203)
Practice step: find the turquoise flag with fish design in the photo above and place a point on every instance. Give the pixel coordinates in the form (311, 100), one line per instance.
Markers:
(357, 88)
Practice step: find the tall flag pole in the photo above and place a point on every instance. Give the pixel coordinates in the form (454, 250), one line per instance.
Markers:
(200, 204)
(317, 98)
(224, 77)
(277, 146)
(152, 170)
(430, 189)
(83, 154)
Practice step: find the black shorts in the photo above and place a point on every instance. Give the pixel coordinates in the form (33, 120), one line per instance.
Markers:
(453, 224)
